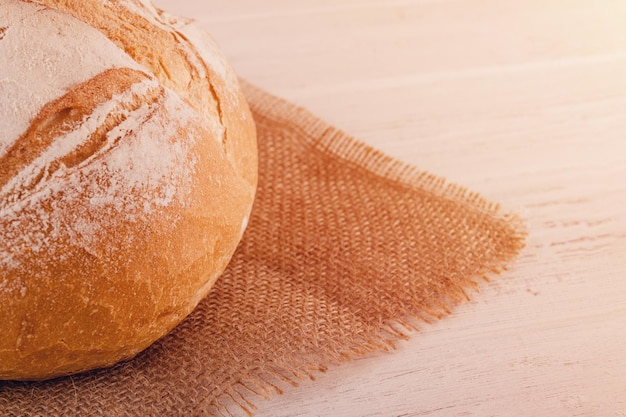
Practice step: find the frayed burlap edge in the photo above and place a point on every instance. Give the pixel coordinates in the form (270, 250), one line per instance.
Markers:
(273, 379)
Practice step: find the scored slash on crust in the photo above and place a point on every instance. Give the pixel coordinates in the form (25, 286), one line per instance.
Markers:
(75, 129)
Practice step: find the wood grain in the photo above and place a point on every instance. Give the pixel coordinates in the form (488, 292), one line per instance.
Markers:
(524, 102)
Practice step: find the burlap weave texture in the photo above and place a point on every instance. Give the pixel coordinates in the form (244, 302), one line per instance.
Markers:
(345, 252)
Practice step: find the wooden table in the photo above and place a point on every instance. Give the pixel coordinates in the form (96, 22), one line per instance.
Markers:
(523, 101)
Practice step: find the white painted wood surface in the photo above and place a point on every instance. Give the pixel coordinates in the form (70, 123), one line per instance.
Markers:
(523, 101)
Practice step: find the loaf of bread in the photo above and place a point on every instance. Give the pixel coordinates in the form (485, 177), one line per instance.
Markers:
(128, 168)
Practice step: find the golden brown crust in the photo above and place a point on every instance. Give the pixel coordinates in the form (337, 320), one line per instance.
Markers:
(108, 244)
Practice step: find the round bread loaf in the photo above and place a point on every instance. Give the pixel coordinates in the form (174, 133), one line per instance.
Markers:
(127, 174)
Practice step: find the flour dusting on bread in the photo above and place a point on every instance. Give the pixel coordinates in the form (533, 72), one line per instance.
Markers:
(44, 59)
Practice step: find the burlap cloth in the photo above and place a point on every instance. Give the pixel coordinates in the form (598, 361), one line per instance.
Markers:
(347, 250)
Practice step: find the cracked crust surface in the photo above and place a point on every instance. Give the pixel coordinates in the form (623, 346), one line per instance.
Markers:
(124, 182)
